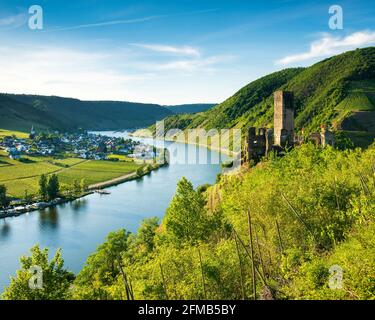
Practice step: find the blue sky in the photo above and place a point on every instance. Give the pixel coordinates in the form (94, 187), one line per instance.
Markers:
(168, 52)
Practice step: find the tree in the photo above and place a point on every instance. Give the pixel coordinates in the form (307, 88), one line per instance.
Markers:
(4, 200)
(76, 187)
(146, 233)
(52, 283)
(43, 186)
(140, 171)
(102, 268)
(186, 218)
(28, 197)
(83, 185)
(53, 187)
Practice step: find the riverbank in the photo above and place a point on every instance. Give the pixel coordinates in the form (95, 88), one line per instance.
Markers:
(22, 209)
(145, 133)
(80, 226)
(124, 178)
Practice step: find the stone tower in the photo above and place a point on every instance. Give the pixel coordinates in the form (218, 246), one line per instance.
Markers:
(283, 118)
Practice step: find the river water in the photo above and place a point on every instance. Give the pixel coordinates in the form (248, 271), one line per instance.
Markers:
(80, 226)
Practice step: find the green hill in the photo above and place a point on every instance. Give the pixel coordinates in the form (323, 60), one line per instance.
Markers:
(190, 108)
(19, 112)
(339, 91)
(15, 115)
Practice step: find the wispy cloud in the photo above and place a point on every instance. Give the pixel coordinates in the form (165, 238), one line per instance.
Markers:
(183, 50)
(191, 59)
(124, 21)
(329, 45)
(202, 64)
(13, 21)
(106, 23)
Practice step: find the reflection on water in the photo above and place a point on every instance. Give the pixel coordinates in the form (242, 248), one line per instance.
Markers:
(78, 205)
(49, 218)
(4, 230)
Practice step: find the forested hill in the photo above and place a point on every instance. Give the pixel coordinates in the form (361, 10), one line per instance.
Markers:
(190, 108)
(20, 112)
(339, 91)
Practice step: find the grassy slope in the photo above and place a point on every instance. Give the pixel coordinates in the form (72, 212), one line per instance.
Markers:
(327, 92)
(190, 108)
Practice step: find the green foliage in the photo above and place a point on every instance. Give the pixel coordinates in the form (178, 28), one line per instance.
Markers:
(102, 268)
(53, 187)
(56, 280)
(147, 232)
(140, 171)
(83, 185)
(343, 141)
(4, 200)
(43, 182)
(310, 210)
(190, 108)
(186, 220)
(77, 188)
(28, 198)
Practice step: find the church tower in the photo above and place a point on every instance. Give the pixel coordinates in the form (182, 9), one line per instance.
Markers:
(32, 133)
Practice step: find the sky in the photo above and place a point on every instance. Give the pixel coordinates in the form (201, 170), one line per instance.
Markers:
(168, 52)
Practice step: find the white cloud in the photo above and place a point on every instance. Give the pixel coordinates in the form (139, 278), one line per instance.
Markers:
(192, 59)
(13, 21)
(329, 45)
(202, 64)
(64, 71)
(109, 74)
(183, 50)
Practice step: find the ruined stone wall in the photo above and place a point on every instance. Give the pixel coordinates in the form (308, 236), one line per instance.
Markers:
(283, 116)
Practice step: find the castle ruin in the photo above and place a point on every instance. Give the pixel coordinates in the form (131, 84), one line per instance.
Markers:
(260, 142)
(283, 118)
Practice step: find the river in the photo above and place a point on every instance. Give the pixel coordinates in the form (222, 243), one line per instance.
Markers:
(80, 226)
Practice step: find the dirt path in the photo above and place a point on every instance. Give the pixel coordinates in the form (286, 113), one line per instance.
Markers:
(113, 182)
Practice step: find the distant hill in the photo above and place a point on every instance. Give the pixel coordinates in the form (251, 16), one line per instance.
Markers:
(339, 91)
(190, 108)
(19, 112)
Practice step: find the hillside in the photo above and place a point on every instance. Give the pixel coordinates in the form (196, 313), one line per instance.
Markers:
(202, 247)
(190, 108)
(19, 112)
(339, 91)
(16, 115)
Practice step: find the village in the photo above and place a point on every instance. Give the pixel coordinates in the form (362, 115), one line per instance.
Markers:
(127, 158)
(83, 145)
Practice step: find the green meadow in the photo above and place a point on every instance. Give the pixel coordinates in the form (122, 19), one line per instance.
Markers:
(18, 134)
(20, 177)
